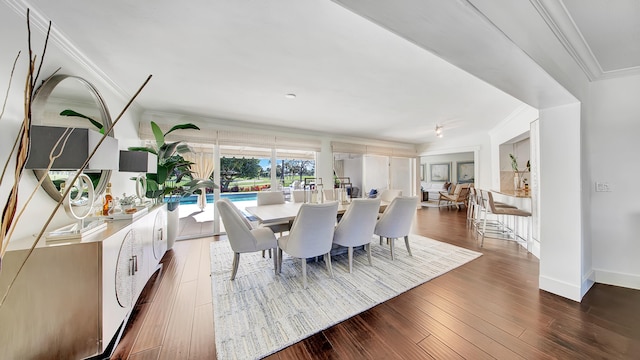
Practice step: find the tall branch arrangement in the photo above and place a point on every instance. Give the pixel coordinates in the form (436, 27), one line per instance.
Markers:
(9, 219)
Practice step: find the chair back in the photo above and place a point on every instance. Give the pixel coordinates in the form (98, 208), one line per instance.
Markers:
(328, 195)
(357, 224)
(396, 220)
(464, 192)
(389, 194)
(236, 226)
(270, 197)
(492, 205)
(298, 196)
(312, 231)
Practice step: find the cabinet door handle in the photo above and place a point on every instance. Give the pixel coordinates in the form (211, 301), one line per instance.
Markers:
(135, 264)
(131, 267)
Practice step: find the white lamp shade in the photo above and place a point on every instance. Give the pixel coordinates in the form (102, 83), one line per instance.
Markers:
(79, 146)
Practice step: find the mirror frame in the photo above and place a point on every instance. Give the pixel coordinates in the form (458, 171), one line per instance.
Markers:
(38, 106)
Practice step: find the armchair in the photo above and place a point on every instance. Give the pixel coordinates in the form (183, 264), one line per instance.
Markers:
(459, 196)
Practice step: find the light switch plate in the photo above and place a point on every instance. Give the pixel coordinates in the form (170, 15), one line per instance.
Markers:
(602, 187)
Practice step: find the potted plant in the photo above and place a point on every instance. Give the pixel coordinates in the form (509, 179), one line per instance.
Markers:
(517, 174)
(167, 184)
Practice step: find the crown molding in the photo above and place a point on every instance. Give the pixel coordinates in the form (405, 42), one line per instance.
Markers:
(557, 17)
(41, 23)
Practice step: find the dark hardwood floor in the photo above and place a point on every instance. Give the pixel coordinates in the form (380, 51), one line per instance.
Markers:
(490, 308)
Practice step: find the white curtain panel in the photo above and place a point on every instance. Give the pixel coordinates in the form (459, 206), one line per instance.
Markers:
(202, 168)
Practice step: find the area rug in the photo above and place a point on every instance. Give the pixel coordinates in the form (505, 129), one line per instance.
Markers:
(260, 313)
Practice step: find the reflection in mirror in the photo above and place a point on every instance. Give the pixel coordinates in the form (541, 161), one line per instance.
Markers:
(57, 95)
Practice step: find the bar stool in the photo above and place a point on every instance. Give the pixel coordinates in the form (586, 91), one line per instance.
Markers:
(508, 211)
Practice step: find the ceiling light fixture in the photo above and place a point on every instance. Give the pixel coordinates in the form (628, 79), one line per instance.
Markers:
(290, 96)
(439, 131)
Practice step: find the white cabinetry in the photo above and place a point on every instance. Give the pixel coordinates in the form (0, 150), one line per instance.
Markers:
(70, 300)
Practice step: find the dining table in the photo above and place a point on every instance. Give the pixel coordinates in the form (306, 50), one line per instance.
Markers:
(289, 210)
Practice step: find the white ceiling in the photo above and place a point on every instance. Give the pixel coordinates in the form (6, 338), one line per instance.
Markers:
(602, 36)
(236, 60)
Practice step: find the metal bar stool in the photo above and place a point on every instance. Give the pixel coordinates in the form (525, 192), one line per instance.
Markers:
(508, 211)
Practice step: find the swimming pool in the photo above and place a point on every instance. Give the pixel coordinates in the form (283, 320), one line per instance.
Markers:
(243, 196)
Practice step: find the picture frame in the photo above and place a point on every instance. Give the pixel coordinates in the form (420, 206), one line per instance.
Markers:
(465, 172)
(440, 172)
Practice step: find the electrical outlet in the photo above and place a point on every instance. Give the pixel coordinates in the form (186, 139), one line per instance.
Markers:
(602, 187)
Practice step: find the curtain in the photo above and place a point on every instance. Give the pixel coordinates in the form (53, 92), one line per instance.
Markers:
(202, 168)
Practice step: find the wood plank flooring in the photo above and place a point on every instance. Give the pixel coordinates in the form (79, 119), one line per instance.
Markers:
(490, 308)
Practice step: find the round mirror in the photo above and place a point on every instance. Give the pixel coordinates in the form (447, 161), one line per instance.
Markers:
(70, 95)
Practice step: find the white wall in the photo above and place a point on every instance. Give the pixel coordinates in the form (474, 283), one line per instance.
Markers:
(561, 243)
(478, 144)
(376, 172)
(353, 170)
(453, 159)
(611, 136)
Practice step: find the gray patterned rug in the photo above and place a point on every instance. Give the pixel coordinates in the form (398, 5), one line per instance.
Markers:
(260, 313)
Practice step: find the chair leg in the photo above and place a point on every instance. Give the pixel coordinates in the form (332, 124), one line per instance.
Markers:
(484, 228)
(275, 260)
(380, 240)
(368, 247)
(406, 242)
(236, 261)
(279, 260)
(391, 244)
(329, 266)
(304, 273)
(350, 253)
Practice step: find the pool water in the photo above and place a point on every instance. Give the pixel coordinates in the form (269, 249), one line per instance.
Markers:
(245, 196)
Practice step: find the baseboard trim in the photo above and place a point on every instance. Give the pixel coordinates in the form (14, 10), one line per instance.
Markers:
(560, 288)
(618, 279)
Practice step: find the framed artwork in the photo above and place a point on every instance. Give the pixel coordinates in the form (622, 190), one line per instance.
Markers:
(466, 172)
(440, 172)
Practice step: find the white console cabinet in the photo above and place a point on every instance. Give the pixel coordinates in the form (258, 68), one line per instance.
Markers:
(72, 299)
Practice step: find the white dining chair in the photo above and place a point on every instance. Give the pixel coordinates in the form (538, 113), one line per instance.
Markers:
(356, 226)
(311, 235)
(395, 222)
(298, 196)
(329, 194)
(272, 198)
(242, 237)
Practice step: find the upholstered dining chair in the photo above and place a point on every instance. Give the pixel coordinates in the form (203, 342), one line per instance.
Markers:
(356, 226)
(311, 235)
(328, 195)
(242, 237)
(298, 196)
(395, 221)
(389, 194)
(271, 198)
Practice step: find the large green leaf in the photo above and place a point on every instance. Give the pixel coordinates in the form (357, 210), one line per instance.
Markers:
(143, 148)
(167, 150)
(184, 149)
(182, 126)
(97, 124)
(157, 134)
